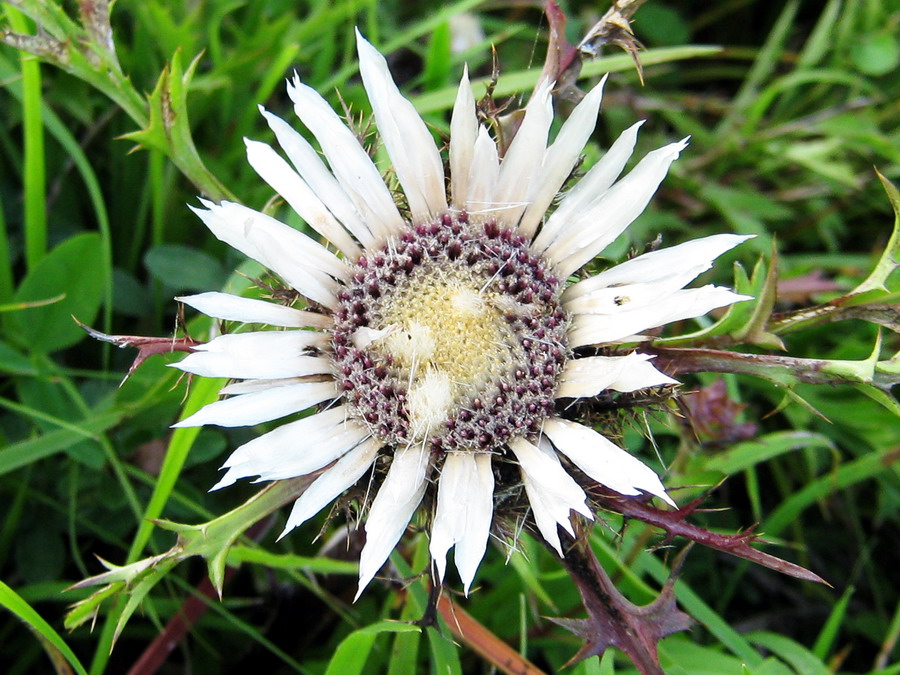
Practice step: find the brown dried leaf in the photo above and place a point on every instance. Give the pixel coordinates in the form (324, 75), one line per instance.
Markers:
(675, 525)
(146, 346)
(613, 620)
(615, 28)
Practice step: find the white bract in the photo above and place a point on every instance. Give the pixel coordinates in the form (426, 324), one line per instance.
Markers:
(440, 334)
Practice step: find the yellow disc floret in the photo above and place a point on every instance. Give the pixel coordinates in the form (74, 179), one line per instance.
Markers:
(450, 334)
(450, 339)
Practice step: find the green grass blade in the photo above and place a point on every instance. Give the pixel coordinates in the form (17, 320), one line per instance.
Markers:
(789, 651)
(32, 450)
(821, 39)
(514, 82)
(832, 627)
(789, 510)
(34, 177)
(15, 604)
(762, 68)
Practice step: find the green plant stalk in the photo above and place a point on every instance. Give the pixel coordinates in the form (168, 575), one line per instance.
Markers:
(6, 277)
(34, 177)
(213, 540)
(782, 370)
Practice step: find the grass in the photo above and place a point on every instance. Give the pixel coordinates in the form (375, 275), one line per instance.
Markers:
(788, 105)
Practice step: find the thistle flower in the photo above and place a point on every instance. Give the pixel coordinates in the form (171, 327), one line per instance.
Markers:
(438, 338)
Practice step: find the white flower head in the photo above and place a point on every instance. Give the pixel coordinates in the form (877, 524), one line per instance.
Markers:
(442, 332)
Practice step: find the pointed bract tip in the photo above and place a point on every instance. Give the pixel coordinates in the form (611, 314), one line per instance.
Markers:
(284, 532)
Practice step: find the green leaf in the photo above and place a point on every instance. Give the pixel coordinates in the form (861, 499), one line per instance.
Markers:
(351, 655)
(75, 269)
(438, 60)
(890, 259)
(527, 573)
(800, 658)
(660, 25)
(763, 283)
(15, 604)
(130, 297)
(876, 54)
(31, 450)
(681, 656)
(13, 362)
(184, 268)
(169, 130)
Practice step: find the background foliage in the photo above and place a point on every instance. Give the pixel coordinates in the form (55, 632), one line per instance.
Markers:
(788, 116)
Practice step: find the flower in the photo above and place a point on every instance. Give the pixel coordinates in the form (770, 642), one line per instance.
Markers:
(439, 337)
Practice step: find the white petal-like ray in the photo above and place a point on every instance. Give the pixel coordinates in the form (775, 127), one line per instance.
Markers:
(409, 144)
(332, 483)
(313, 170)
(470, 549)
(266, 342)
(295, 449)
(589, 189)
(450, 514)
(261, 406)
(595, 229)
(302, 262)
(614, 300)
(288, 183)
(603, 460)
(248, 310)
(392, 508)
(687, 260)
(552, 493)
(347, 202)
(463, 514)
(483, 175)
(560, 159)
(463, 132)
(521, 166)
(217, 364)
(591, 329)
(348, 160)
(590, 375)
(252, 386)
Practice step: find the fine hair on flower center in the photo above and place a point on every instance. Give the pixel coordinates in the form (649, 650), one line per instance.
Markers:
(451, 334)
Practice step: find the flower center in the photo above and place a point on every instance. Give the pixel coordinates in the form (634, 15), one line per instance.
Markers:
(451, 334)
